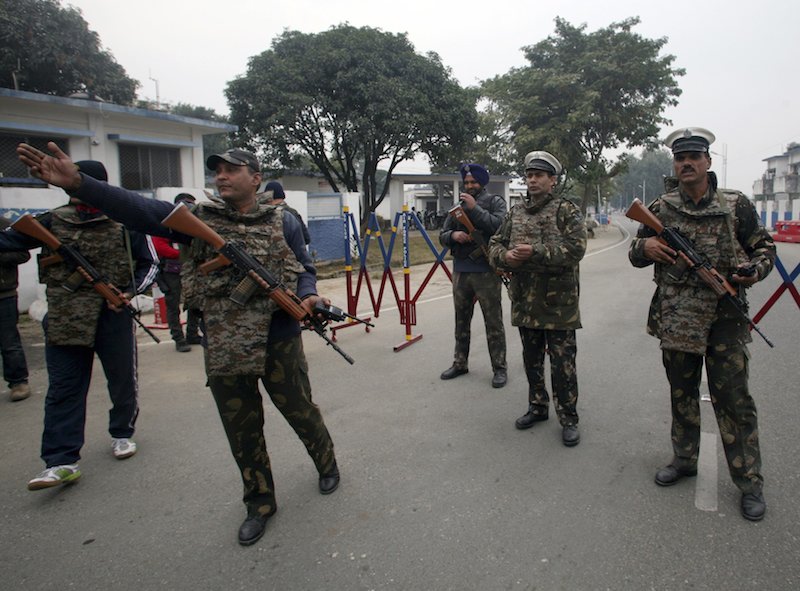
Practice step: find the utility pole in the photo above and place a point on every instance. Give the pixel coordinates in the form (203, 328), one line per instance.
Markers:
(724, 164)
(158, 97)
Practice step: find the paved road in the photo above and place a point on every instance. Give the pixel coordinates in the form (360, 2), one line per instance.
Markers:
(439, 490)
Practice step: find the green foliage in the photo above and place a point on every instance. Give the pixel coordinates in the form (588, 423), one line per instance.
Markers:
(49, 49)
(493, 146)
(584, 94)
(350, 99)
(643, 179)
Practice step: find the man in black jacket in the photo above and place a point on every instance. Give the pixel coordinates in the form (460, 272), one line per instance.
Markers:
(473, 278)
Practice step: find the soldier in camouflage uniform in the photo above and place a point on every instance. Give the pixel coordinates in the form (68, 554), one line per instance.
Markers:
(541, 242)
(81, 324)
(473, 278)
(694, 326)
(244, 344)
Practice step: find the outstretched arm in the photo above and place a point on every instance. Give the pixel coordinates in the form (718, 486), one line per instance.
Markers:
(58, 169)
(127, 207)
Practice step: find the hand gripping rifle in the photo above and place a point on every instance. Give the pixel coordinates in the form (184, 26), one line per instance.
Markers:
(185, 222)
(693, 260)
(84, 271)
(477, 236)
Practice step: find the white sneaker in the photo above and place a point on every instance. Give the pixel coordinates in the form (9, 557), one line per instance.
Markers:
(123, 448)
(55, 476)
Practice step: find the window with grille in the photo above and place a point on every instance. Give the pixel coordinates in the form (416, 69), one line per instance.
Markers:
(144, 168)
(10, 165)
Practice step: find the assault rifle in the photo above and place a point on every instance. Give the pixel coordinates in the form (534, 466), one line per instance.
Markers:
(337, 314)
(185, 222)
(694, 261)
(84, 271)
(477, 236)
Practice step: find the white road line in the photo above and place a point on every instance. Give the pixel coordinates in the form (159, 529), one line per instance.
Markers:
(705, 492)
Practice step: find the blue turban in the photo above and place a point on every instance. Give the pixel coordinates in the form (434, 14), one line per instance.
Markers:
(478, 172)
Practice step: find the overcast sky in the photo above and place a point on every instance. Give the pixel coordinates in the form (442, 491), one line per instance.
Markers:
(740, 57)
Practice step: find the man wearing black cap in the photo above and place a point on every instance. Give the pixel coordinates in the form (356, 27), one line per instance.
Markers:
(245, 344)
(275, 195)
(542, 242)
(694, 326)
(80, 324)
(473, 278)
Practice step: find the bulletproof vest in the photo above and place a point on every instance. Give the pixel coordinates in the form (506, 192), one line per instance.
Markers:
(686, 307)
(543, 296)
(72, 317)
(710, 230)
(237, 334)
(540, 224)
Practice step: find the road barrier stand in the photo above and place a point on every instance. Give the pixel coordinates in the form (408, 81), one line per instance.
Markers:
(406, 305)
(348, 222)
(788, 283)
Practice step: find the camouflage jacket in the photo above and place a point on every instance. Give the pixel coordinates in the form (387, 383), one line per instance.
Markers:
(545, 289)
(237, 335)
(724, 228)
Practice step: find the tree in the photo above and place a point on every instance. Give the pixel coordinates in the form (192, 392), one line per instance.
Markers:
(643, 179)
(49, 49)
(493, 146)
(350, 99)
(585, 94)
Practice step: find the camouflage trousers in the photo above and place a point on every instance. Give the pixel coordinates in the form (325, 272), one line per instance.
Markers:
(242, 412)
(735, 410)
(562, 348)
(485, 288)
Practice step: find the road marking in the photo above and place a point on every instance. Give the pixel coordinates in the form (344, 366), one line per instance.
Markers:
(705, 492)
(621, 242)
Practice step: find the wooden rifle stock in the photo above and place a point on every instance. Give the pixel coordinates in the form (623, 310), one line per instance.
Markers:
(184, 221)
(639, 213)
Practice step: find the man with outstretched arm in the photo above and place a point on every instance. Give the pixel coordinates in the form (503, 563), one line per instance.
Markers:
(244, 344)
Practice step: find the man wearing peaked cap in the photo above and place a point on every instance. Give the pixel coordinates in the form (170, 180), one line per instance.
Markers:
(545, 161)
(473, 277)
(542, 242)
(690, 139)
(696, 328)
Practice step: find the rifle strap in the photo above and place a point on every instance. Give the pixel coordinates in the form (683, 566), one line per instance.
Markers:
(729, 223)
